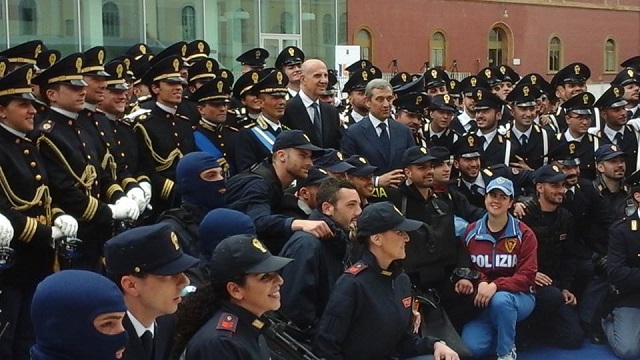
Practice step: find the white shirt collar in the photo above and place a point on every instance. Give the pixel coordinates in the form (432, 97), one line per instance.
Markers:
(356, 116)
(140, 329)
(111, 116)
(170, 109)
(304, 207)
(518, 134)
(69, 114)
(464, 118)
(275, 126)
(569, 137)
(375, 121)
(479, 181)
(305, 99)
(633, 109)
(611, 134)
(292, 92)
(14, 131)
(90, 107)
(438, 134)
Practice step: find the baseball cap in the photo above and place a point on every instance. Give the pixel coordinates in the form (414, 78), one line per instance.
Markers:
(384, 216)
(501, 183)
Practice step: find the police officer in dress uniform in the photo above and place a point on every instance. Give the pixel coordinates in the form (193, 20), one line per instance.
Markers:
(258, 138)
(259, 191)
(629, 78)
(527, 142)
(25, 200)
(148, 265)
(213, 135)
(546, 103)
(234, 327)
(76, 178)
(578, 113)
(25, 53)
(253, 59)
(488, 114)
(164, 136)
(410, 112)
(442, 111)
(289, 61)
(333, 162)
(358, 65)
(621, 324)
(369, 313)
(196, 50)
(43, 61)
(616, 131)
(201, 71)
(356, 108)
(466, 121)
(248, 107)
(567, 83)
(435, 82)
(116, 132)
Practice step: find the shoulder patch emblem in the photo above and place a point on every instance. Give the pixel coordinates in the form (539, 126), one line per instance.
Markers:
(356, 268)
(46, 126)
(228, 322)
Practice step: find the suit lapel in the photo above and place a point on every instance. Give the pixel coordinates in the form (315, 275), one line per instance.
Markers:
(302, 120)
(372, 135)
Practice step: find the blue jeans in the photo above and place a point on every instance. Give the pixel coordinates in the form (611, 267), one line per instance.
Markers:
(495, 328)
(623, 332)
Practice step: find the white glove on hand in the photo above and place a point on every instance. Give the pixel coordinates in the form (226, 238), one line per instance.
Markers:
(146, 187)
(132, 207)
(137, 194)
(67, 224)
(56, 233)
(6, 231)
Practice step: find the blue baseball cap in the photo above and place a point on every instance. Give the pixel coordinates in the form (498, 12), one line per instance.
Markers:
(501, 183)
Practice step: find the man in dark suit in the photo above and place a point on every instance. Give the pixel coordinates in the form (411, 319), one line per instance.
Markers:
(319, 121)
(379, 139)
(148, 265)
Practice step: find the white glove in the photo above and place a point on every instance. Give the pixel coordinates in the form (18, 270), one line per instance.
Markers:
(146, 187)
(67, 224)
(56, 233)
(132, 207)
(137, 194)
(6, 231)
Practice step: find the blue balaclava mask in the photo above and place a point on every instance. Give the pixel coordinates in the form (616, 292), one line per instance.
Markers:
(218, 225)
(64, 308)
(193, 188)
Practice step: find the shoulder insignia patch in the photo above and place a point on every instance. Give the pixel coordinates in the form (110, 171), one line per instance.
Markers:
(356, 268)
(227, 322)
(46, 126)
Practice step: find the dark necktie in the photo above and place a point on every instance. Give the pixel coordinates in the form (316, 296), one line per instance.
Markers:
(629, 114)
(147, 343)
(524, 140)
(482, 140)
(618, 138)
(317, 123)
(569, 195)
(434, 139)
(473, 126)
(477, 190)
(384, 138)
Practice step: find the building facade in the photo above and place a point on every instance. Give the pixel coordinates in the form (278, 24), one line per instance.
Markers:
(229, 26)
(466, 35)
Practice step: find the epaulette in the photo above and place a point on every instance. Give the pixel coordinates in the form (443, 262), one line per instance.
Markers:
(590, 137)
(227, 322)
(99, 111)
(249, 125)
(284, 127)
(231, 128)
(559, 136)
(46, 126)
(634, 225)
(487, 172)
(537, 128)
(263, 124)
(144, 98)
(356, 268)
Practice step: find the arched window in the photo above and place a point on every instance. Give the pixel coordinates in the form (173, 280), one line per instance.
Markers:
(110, 20)
(555, 54)
(363, 38)
(286, 23)
(342, 29)
(328, 29)
(498, 47)
(438, 50)
(610, 55)
(27, 17)
(188, 23)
